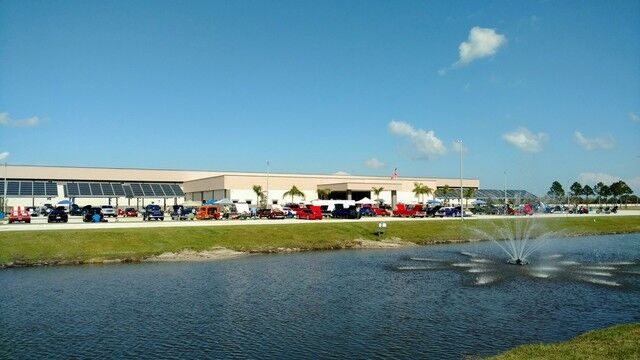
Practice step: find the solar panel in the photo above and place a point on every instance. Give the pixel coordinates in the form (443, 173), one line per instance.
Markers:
(157, 190)
(146, 190)
(118, 190)
(96, 190)
(107, 189)
(127, 190)
(26, 188)
(177, 190)
(38, 189)
(167, 189)
(51, 188)
(83, 189)
(13, 188)
(137, 190)
(72, 189)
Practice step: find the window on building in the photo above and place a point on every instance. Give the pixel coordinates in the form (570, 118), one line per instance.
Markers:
(235, 201)
(248, 201)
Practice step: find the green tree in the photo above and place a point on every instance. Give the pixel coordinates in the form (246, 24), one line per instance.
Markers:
(257, 189)
(324, 193)
(556, 191)
(420, 190)
(445, 192)
(587, 191)
(294, 191)
(620, 189)
(603, 191)
(576, 191)
(468, 193)
(376, 191)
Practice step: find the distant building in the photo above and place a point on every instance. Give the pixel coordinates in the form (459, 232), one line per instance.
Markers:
(29, 185)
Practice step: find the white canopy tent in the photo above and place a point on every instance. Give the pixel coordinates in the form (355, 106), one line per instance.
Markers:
(365, 201)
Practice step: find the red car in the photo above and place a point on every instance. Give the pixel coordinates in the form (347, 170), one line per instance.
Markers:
(403, 210)
(19, 213)
(380, 212)
(310, 213)
(130, 212)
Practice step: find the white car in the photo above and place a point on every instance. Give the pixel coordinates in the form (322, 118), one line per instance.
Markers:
(108, 210)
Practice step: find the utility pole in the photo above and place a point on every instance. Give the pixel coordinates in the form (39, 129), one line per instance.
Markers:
(461, 188)
(4, 197)
(268, 170)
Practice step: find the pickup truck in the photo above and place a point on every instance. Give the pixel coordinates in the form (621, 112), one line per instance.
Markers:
(153, 212)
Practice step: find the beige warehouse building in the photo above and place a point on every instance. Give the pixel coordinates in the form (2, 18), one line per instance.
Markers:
(29, 185)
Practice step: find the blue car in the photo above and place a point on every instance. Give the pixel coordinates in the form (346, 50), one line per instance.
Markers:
(367, 211)
(153, 212)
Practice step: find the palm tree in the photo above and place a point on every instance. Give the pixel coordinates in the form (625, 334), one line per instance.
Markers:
(323, 193)
(418, 189)
(445, 192)
(468, 193)
(376, 191)
(294, 191)
(426, 190)
(259, 194)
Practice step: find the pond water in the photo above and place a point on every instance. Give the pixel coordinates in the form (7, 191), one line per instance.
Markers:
(410, 303)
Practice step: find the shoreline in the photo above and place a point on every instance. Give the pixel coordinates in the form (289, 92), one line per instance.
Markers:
(109, 246)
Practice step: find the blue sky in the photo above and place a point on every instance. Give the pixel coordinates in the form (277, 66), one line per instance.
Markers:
(545, 91)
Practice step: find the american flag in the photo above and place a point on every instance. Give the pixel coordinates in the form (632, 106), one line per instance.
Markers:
(394, 174)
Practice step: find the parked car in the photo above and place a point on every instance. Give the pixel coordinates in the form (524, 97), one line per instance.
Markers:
(403, 210)
(58, 215)
(182, 213)
(367, 211)
(448, 211)
(93, 214)
(309, 214)
(153, 212)
(130, 212)
(289, 212)
(46, 209)
(381, 211)
(75, 210)
(432, 211)
(19, 214)
(277, 214)
(340, 212)
(108, 211)
(208, 212)
(263, 213)
(33, 211)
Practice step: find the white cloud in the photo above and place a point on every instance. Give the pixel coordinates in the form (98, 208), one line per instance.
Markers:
(592, 178)
(374, 163)
(525, 140)
(341, 173)
(481, 43)
(594, 143)
(5, 120)
(425, 143)
(4, 155)
(634, 117)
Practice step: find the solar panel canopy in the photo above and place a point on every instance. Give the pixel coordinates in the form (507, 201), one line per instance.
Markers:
(30, 188)
(136, 190)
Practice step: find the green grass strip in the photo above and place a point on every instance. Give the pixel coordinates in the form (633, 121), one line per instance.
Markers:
(33, 247)
(617, 342)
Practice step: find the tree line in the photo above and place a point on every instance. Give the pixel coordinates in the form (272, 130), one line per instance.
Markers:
(617, 192)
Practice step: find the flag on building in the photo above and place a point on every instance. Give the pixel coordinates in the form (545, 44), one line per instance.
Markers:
(394, 174)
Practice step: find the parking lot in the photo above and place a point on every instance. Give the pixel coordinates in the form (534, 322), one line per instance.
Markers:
(75, 222)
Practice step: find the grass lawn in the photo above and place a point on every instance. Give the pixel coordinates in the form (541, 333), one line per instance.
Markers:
(617, 342)
(31, 247)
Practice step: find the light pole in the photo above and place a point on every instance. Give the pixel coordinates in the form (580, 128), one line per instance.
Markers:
(505, 188)
(4, 196)
(268, 184)
(461, 189)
